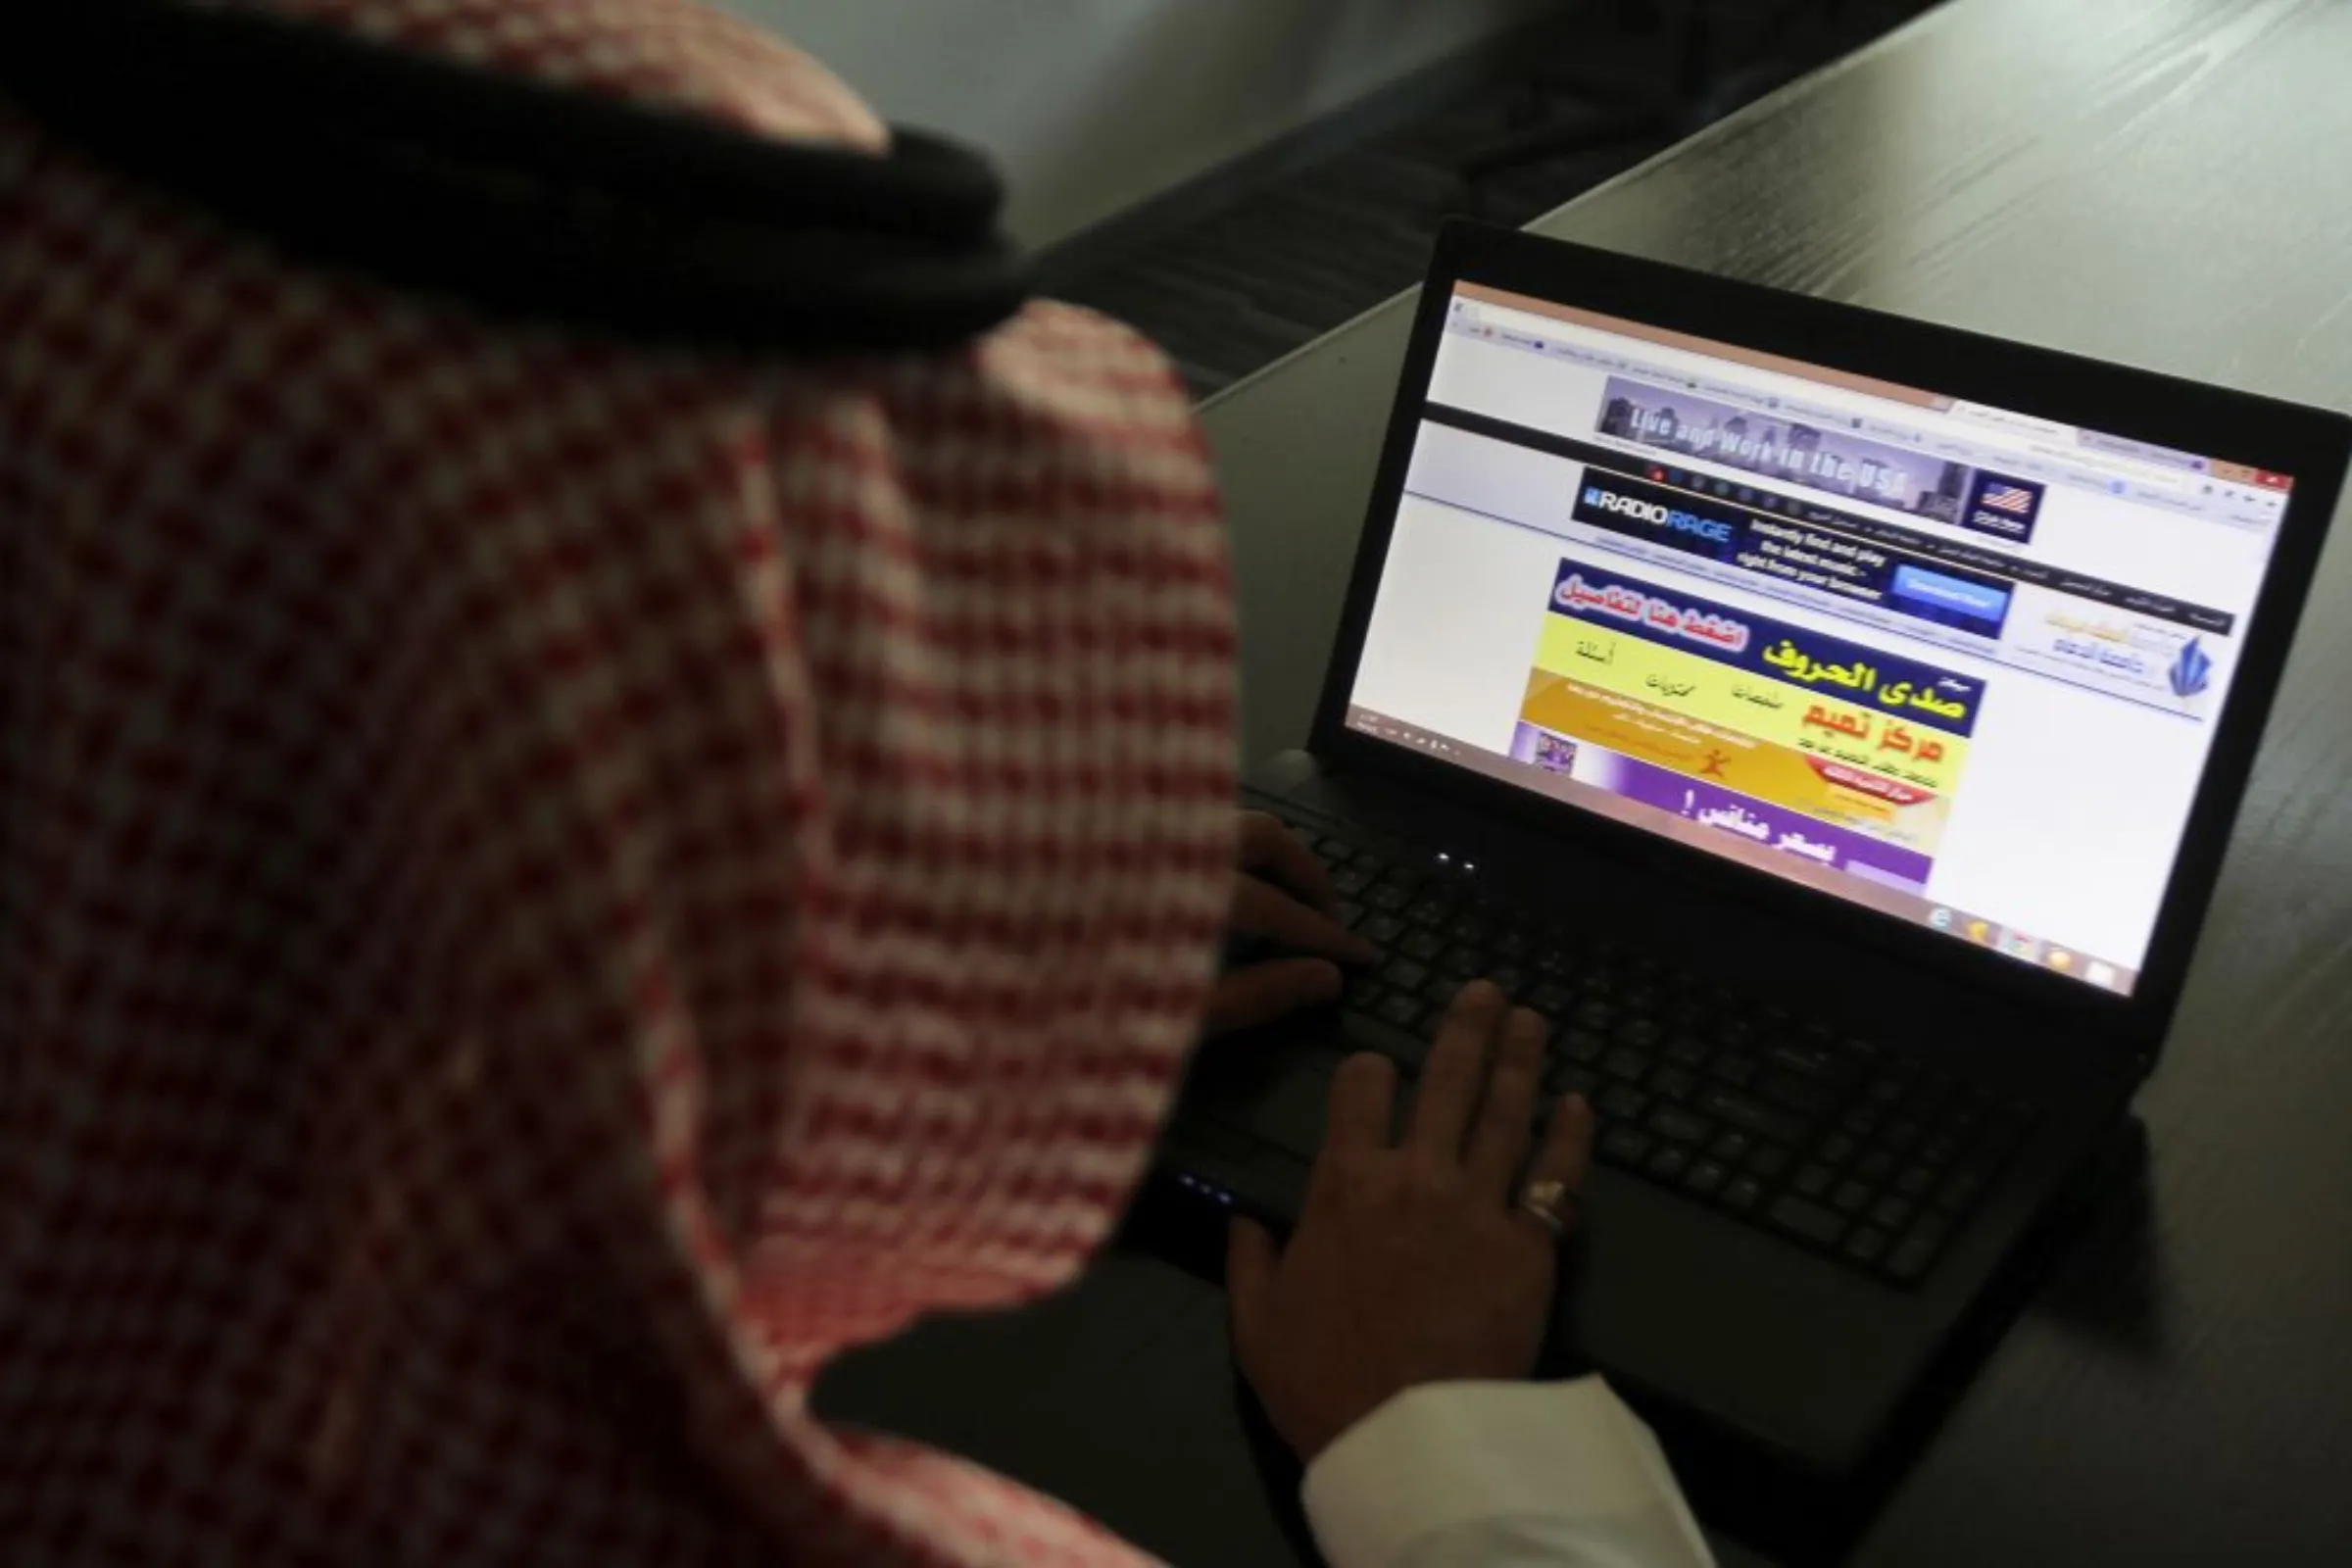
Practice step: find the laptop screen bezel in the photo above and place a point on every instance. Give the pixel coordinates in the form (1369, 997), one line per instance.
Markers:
(2312, 446)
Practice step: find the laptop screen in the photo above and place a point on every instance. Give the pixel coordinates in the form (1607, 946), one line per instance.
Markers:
(1953, 663)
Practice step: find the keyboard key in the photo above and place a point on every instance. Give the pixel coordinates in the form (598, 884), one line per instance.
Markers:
(1566, 1078)
(1742, 1193)
(1366, 995)
(1685, 1008)
(1673, 1082)
(1674, 1124)
(1382, 929)
(1805, 1096)
(1595, 1015)
(1582, 1044)
(1915, 1182)
(1513, 946)
(1669, 1163)
(1739, 1071)
(1350, 880)
(1932, 1107)
(1962, 1188)
(1940, 1149)
(1509, 978)
(1686, 1051)
(1622, 1102)
(1750, 1115)
(1439, 991)
(1420, 942)
(1862, 1120)
(1806, 1059)
(1874, 1166)
(1851, 1197)
(1903, 1133)
(1642, 1033)
(1401, 1009)
(1911, 1257)
(1626, 1063)
(1893, 1213)
(1705, 1178)
(1731, 1148)
(1866, 1245)
(1388, 894)
(1404, 973)
(1836, 1148)
(1806, 1222)
(1813, 1181)
(1624, 1144)
(1350, 914)
(1734, 1032)
(1769, 1161)
(1548, 998)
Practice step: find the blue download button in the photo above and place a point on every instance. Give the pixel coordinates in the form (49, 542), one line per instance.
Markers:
(1934, 590)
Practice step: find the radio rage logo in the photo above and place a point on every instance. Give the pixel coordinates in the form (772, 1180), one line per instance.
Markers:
(2191, 671)
(1672, 519)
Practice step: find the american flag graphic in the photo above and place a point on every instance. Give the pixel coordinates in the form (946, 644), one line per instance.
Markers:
(2013, 497)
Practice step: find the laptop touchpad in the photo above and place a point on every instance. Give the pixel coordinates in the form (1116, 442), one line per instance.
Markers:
(1276, 1092)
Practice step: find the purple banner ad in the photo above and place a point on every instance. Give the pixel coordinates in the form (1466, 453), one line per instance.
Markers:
(1759, 822)
(1819, 456)
(1555, 753)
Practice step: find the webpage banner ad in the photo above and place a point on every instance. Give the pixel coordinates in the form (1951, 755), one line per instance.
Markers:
(1821, 458)
(1797, 554)
(1789, 738)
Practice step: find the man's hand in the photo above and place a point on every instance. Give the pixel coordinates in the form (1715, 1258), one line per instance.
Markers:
(1411, 1264)
(1282, 897)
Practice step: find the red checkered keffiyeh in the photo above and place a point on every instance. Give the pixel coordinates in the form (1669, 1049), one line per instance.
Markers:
(547, 888)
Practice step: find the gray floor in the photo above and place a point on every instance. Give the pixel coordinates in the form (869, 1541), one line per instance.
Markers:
(1277, 262)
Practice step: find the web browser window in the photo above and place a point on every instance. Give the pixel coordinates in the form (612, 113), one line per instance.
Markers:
(1953, 663)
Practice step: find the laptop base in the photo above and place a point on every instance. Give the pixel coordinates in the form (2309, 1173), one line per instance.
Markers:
(1739, 1333)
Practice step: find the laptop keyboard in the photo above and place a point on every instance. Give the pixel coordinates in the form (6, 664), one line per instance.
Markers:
(1860, 1155)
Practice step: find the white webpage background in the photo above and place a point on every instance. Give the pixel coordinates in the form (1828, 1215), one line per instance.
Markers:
(2069, 813)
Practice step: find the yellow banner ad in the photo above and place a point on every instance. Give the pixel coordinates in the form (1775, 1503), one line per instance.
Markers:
(1843, 795)
(1740, 703)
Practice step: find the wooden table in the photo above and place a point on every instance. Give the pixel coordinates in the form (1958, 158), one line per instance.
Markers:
(2163, 182)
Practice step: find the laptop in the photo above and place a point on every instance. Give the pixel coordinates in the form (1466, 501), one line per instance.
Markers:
(1834, 724)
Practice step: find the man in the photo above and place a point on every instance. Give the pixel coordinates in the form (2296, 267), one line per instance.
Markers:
(549, 886)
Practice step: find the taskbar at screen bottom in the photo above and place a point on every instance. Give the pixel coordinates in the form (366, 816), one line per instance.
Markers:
(1908, 907)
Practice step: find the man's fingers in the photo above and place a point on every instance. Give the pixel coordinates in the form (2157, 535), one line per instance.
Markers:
(1267, 846)
(1498, 1143)
(1454, 1072)
(1250, 1263)
(1262, 909)
(1260, 993)
(1567, 1151)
